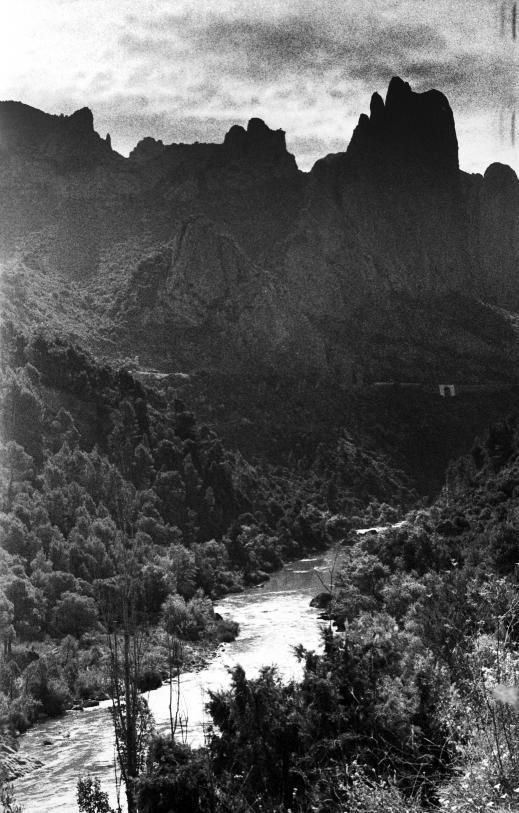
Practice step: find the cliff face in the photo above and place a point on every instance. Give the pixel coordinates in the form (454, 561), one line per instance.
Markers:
(385, 257)
(62, 187)
(493, 240)
(409, 130)
(69, 141)
(397, 192)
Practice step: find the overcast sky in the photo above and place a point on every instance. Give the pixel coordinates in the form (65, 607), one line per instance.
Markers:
(186, 71)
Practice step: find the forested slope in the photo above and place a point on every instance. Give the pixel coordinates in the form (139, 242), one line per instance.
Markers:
(97, 471)
(414, 703)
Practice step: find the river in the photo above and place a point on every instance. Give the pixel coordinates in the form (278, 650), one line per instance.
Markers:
(273, 619)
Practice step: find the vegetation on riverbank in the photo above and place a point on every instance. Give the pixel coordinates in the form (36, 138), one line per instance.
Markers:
(97, 470)
(103, 478)
(414, 703)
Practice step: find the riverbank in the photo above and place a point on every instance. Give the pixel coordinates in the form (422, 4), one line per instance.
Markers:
(87, 659)
(273, 620)
(13, 765)
(197, 656)
(50, 665)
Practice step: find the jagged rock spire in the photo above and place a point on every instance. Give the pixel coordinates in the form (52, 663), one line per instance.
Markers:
(417, 128)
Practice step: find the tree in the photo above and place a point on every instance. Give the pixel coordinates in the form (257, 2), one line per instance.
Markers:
(90, 797)
(27, 605)
(142, 466)
(174, 617)
(181, 564)
(7, 632)
(16, 467)
(119, 598)
(50, 691)
(179, 780)
(22, 413)
(74, 614)
(262, 732)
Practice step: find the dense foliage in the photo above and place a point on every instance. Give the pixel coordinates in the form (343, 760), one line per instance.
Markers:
(96, 467)
(108, 483)
(413, 703)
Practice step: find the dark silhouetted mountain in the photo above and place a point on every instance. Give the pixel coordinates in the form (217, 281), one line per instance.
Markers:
(412, 129)
(385, 258)
(69, 141)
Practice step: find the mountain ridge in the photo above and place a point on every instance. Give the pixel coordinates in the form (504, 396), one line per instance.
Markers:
(349, 266)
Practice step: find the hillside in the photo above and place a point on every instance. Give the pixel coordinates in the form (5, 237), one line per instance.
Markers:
(213, 363)
(385, 262)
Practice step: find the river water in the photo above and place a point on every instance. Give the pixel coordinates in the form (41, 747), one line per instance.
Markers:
(273, 619)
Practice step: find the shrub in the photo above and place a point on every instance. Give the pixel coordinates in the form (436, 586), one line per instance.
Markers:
(7, 800)
(90, 683)
(148, 680)
(227, 630)
(18, 717)
(177, 780)
(74, 614)
(56, 698)
(90, 797)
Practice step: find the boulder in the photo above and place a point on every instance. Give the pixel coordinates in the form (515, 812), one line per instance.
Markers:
(321, 601)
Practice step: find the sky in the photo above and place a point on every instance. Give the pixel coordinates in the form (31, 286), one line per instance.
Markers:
(187, 71)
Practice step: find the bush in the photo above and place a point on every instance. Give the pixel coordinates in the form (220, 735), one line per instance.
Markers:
(18, 717)
(90, 797)
(358, 790)
(90, 683)
(190, 621)
(74, 614)
(177, 780)
(56, 698)
(227, 630)
(49, 692)
(148, 680)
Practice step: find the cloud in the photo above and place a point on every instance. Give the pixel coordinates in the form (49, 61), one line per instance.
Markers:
(311, 75)
(269, 51)
(298, 60)
(184, 71)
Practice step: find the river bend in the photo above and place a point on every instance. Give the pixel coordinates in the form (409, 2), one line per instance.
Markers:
(273, 619)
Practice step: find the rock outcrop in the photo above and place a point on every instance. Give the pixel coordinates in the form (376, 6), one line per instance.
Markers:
(258, 143)
(201, 297)
(384, 258)
(398, 196)
(493, 240)
(411, 130)
(69, 141)
(147, 149)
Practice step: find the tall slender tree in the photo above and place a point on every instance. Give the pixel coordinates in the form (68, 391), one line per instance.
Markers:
(119, 599)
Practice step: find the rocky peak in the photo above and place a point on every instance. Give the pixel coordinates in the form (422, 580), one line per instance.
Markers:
(82, 121)
(412, 128)
(69, 141)
(22, 125)
(500, 178)
(147, 149)
(257, 143)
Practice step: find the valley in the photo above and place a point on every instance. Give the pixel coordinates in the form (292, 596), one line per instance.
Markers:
(216, 371)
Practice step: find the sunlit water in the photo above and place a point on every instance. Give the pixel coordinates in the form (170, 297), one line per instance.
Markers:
(273, 620)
